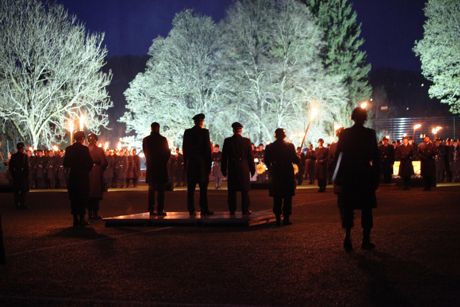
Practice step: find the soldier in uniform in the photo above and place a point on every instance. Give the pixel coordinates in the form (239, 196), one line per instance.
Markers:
(19, 172)
(440, 158)
(321, 165)
(121, 166)
(178, 169)
(197, 157)
(279, 157)
(78, 162)
(40, 170)
(61, 181)
(455, 161)
(357, 177)
(157, 154)
(301, 170)
(310, 164)
(427, 152)
(134, 168)
(405, 154)
(32, 159)
(51, 170)
(387, 159)
(237, 163)
(96, 177)
(216, 166)
(110, 170)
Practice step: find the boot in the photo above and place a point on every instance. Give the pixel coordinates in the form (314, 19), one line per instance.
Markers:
(347, 245)
(278, 219)
(367, 244)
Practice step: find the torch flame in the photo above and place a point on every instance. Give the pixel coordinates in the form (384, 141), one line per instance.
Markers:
(417, 126)
(82, 121)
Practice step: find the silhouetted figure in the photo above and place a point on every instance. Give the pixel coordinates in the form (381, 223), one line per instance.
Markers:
(331, 155)
(279, 157)
(78, 163)
(19, 172)
(321, 154)
(310, 164)
(134, 168)
(197, 158)
(96, 177)
(387, 159)
(357, 176)
(427, 152)
(301, 171)
(237, 164)
(157, 153)
(216, 166)
(405, 154)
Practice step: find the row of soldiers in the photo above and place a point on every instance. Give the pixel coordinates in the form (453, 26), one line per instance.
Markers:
(445, 156)
(46, 169)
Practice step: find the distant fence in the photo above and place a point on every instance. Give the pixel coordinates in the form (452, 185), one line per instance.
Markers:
(397, 127)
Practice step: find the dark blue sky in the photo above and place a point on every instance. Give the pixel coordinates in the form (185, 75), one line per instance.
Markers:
(390, 27)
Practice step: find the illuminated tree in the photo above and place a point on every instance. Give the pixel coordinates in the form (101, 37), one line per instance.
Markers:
(272, 54)
(342, 52)
(439, 51)
(50, 70)
(181, 79)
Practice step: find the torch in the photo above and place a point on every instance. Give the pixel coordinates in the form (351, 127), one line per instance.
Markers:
(415, 128)
(82, 121)
(313, 114)
(71, 129)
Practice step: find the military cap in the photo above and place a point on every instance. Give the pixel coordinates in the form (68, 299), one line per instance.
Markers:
(237, 125)
(280, 133)
(198, 117)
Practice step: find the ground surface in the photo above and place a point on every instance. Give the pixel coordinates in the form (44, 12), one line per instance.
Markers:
(416, 261)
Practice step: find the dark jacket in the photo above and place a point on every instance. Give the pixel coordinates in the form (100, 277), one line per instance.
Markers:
(405, 155)
(96, 175)
(197, 154)
(279, 157)
(321, 155)
(237, 162)
(157, 153)
(359, 167)
(18, 168)
(78, 160)
(427, 153)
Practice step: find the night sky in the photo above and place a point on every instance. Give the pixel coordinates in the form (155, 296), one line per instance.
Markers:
(390, 27)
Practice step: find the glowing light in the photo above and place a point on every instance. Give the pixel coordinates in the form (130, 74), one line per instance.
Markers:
(337, 126)
(313, 113)
(417, 126)
(119, 146)
(388, 137)
(364, 105)
(141, 155)
(82, 121)
(31, 149)
(71, 126)
(55, 148)
(99, 145)
(106, 145)
(436, 130)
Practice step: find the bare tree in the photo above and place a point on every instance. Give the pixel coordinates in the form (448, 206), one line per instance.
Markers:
(50, 70)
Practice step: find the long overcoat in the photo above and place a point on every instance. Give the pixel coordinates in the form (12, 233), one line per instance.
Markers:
(427, 153)
(96, 175)
(18, 168)
(405, 155)
(358, 167)
(79, 163)
(238, 162)
(321, 154)
(157, 153)
(279, 157)
(197, 154)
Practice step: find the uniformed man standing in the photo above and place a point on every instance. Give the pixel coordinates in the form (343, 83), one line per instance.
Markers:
(357, 177)
(61, 181)
(197, 158)
(427, 152)
(40, 170)
(178, 169)
(301, 170)
(405, 154)
(455, 161)
(321, 165)
(157, 154)
(96, 177)
(19, 172)
(387, 159)
(279, 157)
(310, 164)
(237, 164)
(78, 162)
(216, 166)
(110, 170)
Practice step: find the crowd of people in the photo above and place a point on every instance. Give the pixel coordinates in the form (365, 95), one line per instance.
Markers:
(356, 164)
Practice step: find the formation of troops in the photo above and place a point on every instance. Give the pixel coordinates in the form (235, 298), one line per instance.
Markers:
(356, 164)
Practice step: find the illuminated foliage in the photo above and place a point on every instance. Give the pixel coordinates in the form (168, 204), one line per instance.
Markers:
(50, 69)
(439, 51)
